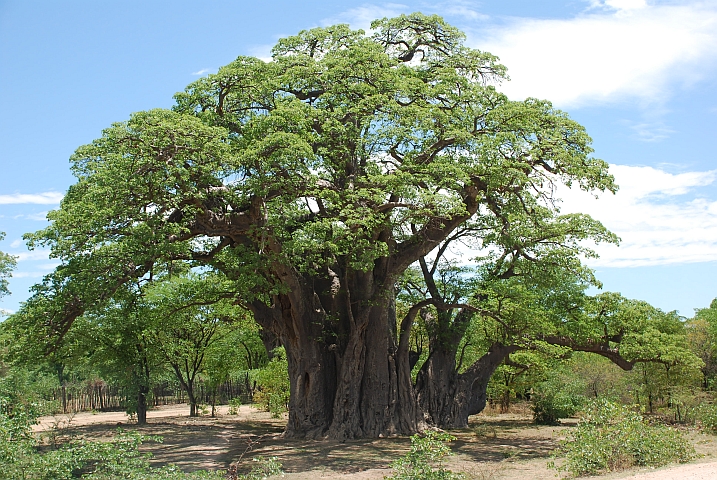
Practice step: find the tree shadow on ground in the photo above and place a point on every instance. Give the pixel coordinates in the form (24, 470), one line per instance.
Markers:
(217, 443)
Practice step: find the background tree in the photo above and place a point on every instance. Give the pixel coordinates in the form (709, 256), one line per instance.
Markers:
(121, 348)
(234, 356)
(189, 317)
(26, 349)
(314, 181)
(702, 338)
(7, 264)
(528, 276)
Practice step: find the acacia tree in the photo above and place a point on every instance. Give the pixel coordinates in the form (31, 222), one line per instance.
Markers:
(314, 181)
(120, 346)
(189, 316)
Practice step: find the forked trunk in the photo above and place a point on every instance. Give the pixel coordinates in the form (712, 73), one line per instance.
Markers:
(447, 398)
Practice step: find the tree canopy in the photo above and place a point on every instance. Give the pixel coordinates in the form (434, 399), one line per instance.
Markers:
(312, 182)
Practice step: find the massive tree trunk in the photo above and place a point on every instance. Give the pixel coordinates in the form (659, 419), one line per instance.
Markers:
(346, 376)
(447, 397)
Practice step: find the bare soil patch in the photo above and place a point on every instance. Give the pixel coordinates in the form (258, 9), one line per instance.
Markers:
(493, 447)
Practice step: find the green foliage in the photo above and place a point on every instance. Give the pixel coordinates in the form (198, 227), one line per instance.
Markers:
(571, 383)
(29, 390)
(560, 396)
(706, 415)
(273, 384)
(702, 337)
(599, 377)
(20, 458)
(7, 264)
(234, 405)
(425, 459)
(612, 437)
(265, 467)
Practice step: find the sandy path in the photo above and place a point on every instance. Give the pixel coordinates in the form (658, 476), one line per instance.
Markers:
(114, 418)
(697, 471)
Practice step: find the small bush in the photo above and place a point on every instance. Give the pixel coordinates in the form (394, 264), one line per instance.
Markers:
(234, 405)
(555, 399)
(425, 460)
(273, 384)
(706, 414)
(264, 468)
(611, 437)
(549, 408)
(485, 430)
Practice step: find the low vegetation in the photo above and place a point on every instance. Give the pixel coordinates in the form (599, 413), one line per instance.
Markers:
(425, 459)
(612, 437)
(22, 457)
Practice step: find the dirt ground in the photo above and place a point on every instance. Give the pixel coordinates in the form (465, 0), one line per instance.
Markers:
(494, 446)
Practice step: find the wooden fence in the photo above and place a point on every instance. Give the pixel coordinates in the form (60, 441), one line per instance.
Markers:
(101, 396)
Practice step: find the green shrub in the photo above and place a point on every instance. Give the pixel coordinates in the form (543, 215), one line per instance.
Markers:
(555, 399)
(29, 390)
(273, 384)
(20, 458)
(707, 416)
(425, 460)
(611, 437)
(234, 405)
(264, 468)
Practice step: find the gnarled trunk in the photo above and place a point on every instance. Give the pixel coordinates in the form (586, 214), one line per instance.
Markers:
(446, 397)
(347, 378)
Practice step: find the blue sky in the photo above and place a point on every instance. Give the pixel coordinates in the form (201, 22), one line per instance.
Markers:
(640, 75)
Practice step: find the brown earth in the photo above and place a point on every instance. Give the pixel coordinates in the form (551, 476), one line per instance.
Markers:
(493, 447)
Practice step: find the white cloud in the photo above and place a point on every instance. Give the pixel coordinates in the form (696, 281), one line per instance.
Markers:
(39, 216)
(630, 51)
(649, 131)
(658, 215)
(46, 198)
(461, 9)
(262, 52)
(16, 243)
(361, 17)
(619, 5)
(203, 71)
(35, 274)
(32, 255)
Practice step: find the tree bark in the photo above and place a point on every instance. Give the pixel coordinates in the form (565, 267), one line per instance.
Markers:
(142, 392)
(346, 377)
(142, 378)
(447, 398)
